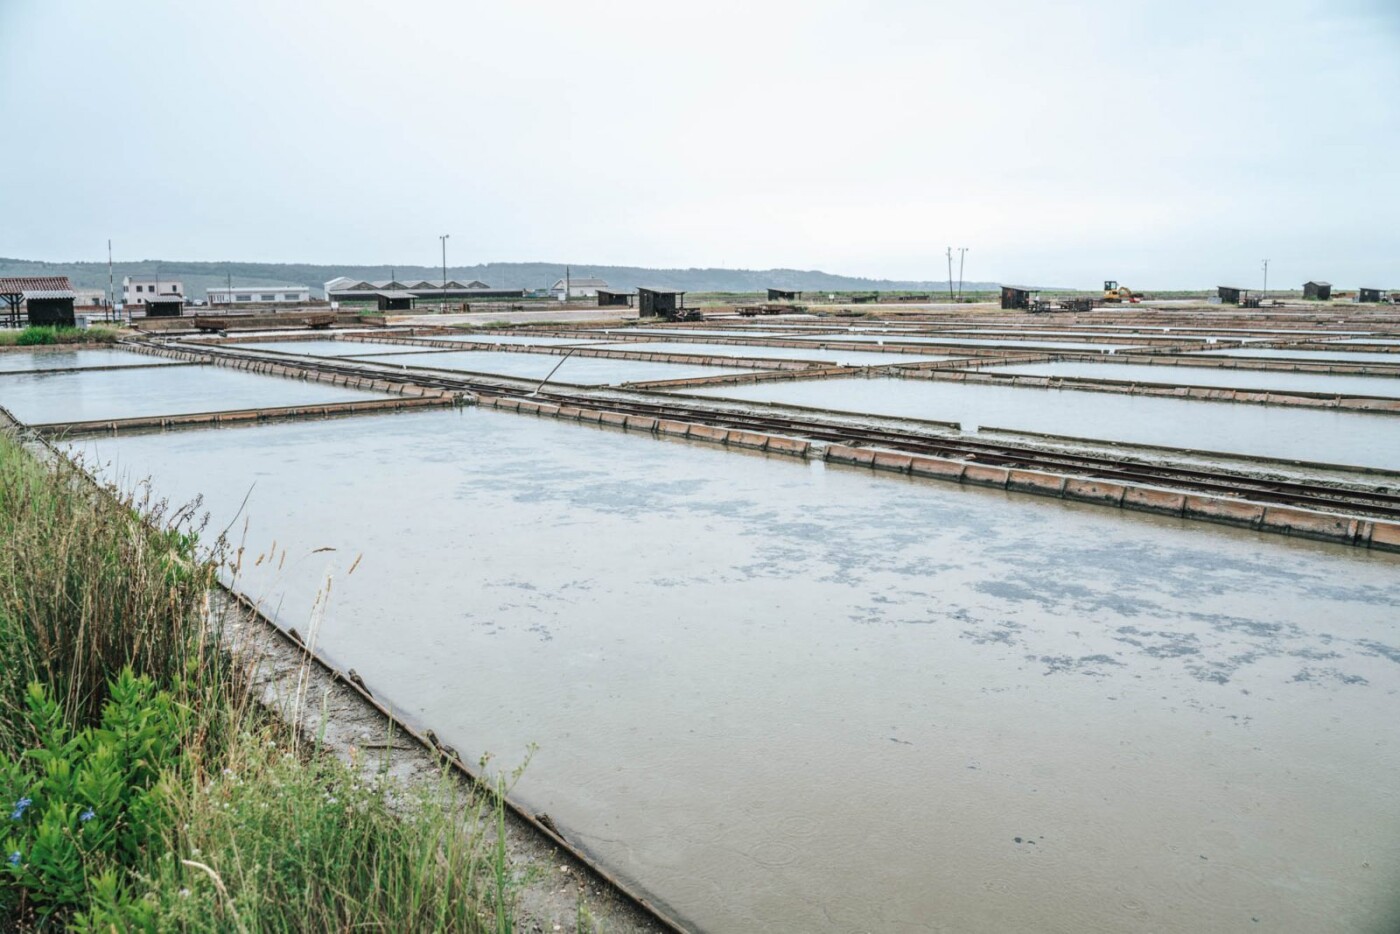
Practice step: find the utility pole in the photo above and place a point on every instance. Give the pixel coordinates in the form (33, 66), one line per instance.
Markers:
(443, 238)
(568, 284)
(1266, 280)
(962, 257)
(109, 279)
(950, 274)
(228, 280)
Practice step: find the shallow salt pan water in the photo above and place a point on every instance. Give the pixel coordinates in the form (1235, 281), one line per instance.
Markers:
(841, 357)
(582, 371)
(1339, 383)
(793, 698)
(970, 342)
(109, 394)
(1338, 356)
(1333, 437)
(326, 348)
(20, 361)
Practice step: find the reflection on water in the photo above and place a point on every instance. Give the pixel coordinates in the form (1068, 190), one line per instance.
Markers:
(792, 697)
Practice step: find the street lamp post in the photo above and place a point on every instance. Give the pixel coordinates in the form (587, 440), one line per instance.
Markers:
(443, 238)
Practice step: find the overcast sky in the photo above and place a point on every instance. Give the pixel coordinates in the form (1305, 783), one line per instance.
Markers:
(1173, 143)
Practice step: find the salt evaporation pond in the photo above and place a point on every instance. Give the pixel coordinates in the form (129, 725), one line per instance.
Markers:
(581, 371)
(786, 697)
(674, 332)
(822, 354)
(1330, 356)
(1325, 436)
(90, 395)
(539, 340)
(328, 348)
(967, 342)
(22, 361)
(1279, 380)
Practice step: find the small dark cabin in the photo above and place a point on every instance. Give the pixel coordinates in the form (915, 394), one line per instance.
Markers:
(165, 306)
(51, 312)
(1317, 291)
(394, 300)
(1016, 297)
(1364, 294)
(783, 295)
(1229, 295)
(652, 303)
(607, 298)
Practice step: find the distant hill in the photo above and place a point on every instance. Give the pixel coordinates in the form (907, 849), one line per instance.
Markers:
(200, 276)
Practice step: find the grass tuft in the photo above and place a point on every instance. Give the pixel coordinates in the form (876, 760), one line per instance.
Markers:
(147, 791)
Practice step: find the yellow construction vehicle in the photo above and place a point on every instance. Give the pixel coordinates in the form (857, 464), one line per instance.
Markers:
(1114, 293)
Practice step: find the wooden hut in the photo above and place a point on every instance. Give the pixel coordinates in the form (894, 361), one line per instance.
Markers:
(1016, 297)
(1229, 294)
(1364, 294)
(47, 301)
(1317, 291)
(608, 298)
(783, 295)
(165, 306)
(394, 300)
(662, 303)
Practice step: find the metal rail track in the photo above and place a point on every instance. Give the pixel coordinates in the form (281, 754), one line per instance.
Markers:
(1372, 502)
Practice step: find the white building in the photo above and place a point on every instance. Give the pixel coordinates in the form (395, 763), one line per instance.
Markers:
(577, 288)
(136, 289)
(261, 294)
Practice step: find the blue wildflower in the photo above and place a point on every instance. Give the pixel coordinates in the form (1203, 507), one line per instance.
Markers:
(87, 815)
(21, 806)
(14, 858)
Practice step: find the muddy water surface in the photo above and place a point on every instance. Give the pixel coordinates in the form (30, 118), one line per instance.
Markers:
(789, 698)
(1331, 437)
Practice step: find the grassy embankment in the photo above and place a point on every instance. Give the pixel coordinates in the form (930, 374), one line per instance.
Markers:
(141, 789)
(40, 337)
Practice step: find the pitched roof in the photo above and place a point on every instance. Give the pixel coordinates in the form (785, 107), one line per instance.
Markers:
(37, 286)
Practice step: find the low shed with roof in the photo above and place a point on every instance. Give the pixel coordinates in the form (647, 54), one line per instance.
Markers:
(608, 298)
(1016, 297)
(46, 301)
(394, 299)
(664, 303)
(1317, 291)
